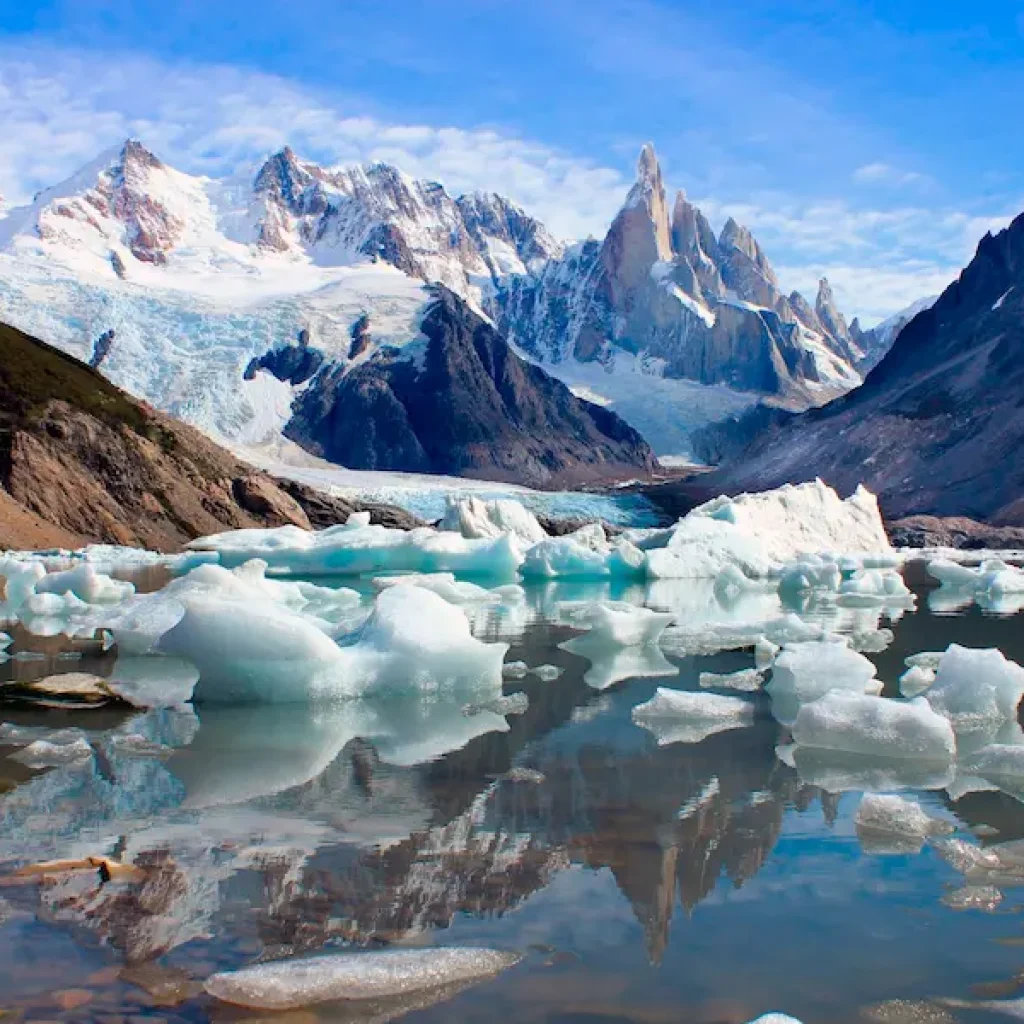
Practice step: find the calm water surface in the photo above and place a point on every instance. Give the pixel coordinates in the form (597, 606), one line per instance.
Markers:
(704, 882)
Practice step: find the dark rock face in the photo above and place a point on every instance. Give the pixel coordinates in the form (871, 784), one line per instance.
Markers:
(81, 461)
(953, 532)
(938, 426)
(292, 363)
(469, 406)
(325, 509)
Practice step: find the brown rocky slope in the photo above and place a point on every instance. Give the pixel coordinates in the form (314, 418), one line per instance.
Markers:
(82, 461)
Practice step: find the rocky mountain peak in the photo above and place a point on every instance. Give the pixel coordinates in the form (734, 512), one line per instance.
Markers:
(135, 156)
(828, 312)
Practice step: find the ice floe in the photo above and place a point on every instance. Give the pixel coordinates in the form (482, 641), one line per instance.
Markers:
(977, 690)
(875, 726)
(680, 716)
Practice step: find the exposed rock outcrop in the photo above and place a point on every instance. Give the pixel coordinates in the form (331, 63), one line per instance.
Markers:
(467, 405)
(81, 461)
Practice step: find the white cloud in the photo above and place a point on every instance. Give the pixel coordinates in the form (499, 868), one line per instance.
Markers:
(60, 108)
(886, 174)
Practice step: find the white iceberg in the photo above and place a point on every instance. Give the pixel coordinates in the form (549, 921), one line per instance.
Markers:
(977, 690)
(475, 518)
(806, 671)
(916, 680)
(290, 984)
(862, 724)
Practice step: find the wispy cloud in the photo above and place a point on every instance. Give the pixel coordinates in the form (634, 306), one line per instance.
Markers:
(882, 173)
(61, 107)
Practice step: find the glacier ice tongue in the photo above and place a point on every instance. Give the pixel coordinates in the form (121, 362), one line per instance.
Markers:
(875, 726)
(290, 984)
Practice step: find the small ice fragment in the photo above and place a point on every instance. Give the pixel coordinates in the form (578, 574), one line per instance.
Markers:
(514, 669)
(617, 624)
(861, 724)
(507, 704)
(916, 680)
(47, 754)
(547, 673)
(290, 984)
(681, 716)
(747, 680)
(775, 1018)
(764, 653)
(926, 659)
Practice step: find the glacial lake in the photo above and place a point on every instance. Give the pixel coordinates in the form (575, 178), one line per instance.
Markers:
(704, 881)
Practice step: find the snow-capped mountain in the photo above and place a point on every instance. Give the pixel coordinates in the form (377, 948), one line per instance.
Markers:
(877, 340)
(189, 279)
(663, 287)
(178, 287)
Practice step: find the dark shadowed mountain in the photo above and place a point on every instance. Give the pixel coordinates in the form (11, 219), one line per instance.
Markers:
(938, 426)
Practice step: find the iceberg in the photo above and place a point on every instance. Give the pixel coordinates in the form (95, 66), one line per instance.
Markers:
(355, 547)
(290, 984)
(977, 690)
(916, 680)
(475, 518)
(862, 724)
(681, 716)
(806, 671)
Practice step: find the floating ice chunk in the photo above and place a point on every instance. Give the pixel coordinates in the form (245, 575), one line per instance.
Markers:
(806, 671)
(546, 673)
(153, 681)
(747, 680)
(701, 547)
(619, 624)
(353, 548)
(443, 584)
(792, 521)
(290, 984)
(807, 574)
(680, 716)
(567, 557)
(51, 754)
(507, 704)
(1001, 863)
(976, 689)
(775, 1018)
(20, 579)
(475, 518)
(891, 824)
(515, 669)
(870, 587)
(1000, 763)
(765, 653)
(926, 659)
(861, 724)
(252, 652)
(86, 584)
(415, 642)
(611, 665)
(916, 680)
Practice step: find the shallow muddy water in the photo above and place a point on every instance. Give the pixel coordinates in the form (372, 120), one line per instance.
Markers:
(706, 881)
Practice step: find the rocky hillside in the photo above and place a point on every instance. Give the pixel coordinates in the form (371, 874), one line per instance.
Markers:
(460, 403)
(938, 427)
(81, 461)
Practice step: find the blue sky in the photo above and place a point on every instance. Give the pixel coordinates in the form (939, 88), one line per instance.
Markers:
(873, 141)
